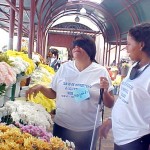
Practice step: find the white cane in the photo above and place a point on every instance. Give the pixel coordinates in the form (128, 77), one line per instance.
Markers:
(99, 103)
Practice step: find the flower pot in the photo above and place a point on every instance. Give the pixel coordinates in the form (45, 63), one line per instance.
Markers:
(2, 100)
(9, 93)
(17, 91)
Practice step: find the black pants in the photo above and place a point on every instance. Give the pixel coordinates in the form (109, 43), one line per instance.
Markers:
(82, 140)
(139, 144)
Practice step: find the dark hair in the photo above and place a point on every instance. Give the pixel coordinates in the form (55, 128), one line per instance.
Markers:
(141, 33)
(87, 43)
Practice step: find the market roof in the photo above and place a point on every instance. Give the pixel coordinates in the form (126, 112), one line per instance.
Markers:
(113, 18)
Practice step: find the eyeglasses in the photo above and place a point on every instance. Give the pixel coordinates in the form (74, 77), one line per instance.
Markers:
(135, 72)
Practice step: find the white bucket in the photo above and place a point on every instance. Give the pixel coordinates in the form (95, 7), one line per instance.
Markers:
(2, 100)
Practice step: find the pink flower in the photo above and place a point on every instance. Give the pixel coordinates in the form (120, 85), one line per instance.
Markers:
(7, 74)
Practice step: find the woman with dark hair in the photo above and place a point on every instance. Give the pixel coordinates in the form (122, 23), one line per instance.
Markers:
(76, 87)
(131, 112)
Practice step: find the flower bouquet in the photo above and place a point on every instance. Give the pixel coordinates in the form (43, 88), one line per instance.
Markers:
(23, 66)
(7, 77)
(5, 58)
(21, 62)
(26, 113)
(42, 75)
(12, 138)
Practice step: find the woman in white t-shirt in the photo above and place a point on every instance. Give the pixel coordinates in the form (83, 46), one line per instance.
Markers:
(131, 112)
(76, 87)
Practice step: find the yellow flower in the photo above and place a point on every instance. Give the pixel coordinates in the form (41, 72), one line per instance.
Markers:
(124, 65)
(25, 57)
(48, 104)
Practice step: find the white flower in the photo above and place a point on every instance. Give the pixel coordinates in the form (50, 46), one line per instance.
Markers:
(72, 145)
(68, 143)
(19, 65)
(15, 116)
(29, 113)
(36, 58)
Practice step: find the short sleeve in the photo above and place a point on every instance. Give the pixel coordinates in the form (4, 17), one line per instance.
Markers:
(54, 82)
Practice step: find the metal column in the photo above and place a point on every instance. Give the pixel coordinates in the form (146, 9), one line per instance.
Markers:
(20, 21)
(11, 25)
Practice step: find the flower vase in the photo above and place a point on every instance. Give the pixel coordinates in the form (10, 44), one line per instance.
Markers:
(8, 93)
(17, 90)
(13, 91)
(2, 100)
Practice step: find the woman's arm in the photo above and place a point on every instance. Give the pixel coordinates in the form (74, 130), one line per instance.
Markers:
(48, 92)
(108, 97)
(105, 127)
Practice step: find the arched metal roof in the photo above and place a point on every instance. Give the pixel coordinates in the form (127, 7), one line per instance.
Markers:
(112, 17)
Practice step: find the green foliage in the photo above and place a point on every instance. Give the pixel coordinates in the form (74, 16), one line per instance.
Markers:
(2, 88)
(5, 58)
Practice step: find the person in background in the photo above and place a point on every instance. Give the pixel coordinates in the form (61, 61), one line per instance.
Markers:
(53, 62)
(113, 63)
(58, 63)
(130, 120)
(76, 87)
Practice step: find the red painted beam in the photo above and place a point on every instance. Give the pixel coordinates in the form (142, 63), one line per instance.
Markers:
(11, 26)
(20, 23)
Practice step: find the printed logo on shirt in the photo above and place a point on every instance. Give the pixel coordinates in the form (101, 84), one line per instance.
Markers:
(124, 91)
(76, 91)
(81, 94)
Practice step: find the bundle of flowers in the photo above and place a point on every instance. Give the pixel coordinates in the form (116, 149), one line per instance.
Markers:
(24, 45)
(5, 58)
(13, 138)
(48, 68)
(37, 57)
(36, 131)
(42, 76)
(48, 104)
(30, 67)
(19, 65)
(125, 65)
(114, 68)
(27, 113)
(7, 76)
(57, 144)
(117, 80)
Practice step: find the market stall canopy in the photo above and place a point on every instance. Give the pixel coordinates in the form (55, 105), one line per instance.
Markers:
(113, 18)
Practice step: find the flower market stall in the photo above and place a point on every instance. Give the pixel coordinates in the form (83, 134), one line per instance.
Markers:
(26, 124)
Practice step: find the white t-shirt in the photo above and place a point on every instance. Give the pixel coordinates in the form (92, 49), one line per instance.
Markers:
(131, 112)
(71, 113)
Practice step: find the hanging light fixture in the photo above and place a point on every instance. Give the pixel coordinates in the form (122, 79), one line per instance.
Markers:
(97, 1)
(77, 19)
(94, 1)
(83, 11)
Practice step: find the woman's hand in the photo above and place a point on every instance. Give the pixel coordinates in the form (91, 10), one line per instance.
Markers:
(104, 84)
(108, 97)
(33, 90)
(104, 128)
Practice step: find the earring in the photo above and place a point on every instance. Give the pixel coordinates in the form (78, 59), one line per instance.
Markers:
(141, 48)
